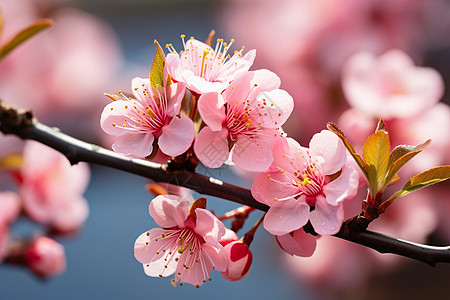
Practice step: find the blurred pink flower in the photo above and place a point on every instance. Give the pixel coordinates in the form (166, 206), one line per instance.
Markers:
(204, 69)
(390, 86)
(246, 118)
(45, 257)
(301, 178)
(187, 244)
(154, 113)
(51, 189)
(64, 68)
(9, 211)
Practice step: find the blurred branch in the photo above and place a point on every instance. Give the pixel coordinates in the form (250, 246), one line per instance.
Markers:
(21, 123)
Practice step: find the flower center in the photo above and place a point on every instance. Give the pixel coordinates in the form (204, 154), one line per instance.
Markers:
(238, 121)
(310, 184)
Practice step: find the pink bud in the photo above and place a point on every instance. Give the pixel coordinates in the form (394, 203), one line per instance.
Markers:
(46, 257)
(239, 259)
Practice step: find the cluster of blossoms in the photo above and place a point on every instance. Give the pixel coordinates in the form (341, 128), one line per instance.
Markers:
(49, 192)
(205, 103)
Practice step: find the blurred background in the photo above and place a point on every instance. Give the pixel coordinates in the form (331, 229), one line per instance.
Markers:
(99, 46)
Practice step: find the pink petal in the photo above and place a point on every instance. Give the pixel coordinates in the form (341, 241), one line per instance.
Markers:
(177, 137)
(211, 147)
(325, 218)
(113, 118)
(138, 85)
(175, 94)
(286, 216)
(173, 65)
(253, 154)
(169, 211)
(212, 110)
(298, 243)
(343, 187)
(328, 150)
(162, 267)
(149, 245)
(208, 226)
(265, 189)
(277, 108)
(217, 255)
(138, 145)
(248, 85)
(199, 85)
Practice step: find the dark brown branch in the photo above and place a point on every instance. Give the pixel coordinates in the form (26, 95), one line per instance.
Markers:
(21, 123)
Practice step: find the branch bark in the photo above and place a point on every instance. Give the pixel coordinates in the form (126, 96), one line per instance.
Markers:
(22, 124)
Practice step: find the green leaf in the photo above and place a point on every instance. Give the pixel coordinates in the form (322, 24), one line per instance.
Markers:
(24, 35)
(376, 152)
(157, 70)
(426, 178)
(336, 130)
(400, 156)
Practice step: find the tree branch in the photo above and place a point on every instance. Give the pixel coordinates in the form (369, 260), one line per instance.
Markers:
(22, 124)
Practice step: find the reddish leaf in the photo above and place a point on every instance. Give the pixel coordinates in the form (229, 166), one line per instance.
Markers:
(336, 130)
(401, 155)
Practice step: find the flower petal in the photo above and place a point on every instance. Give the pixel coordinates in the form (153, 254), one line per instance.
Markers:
(298, 243)
(175, 94)
(177, 136)
(253, 154)
(211, 147)
(169, 211)
(325, 218)
(268, 186)
(208, 226)
(328, 150)
(114, 119)
(136, 145)
(212, 110)
(343, 187)
(148, 246)
(285, 217)
(275, 107)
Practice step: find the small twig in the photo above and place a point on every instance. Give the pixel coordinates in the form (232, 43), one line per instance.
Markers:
(21, 123)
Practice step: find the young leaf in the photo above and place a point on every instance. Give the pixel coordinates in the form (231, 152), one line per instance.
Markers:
(23, 35)
(376, 151)
(336, 130)
(401, 155)
(157, 70)
(381, 125)
(426, 178)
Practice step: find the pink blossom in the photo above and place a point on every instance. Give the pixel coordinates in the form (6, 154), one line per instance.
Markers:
(9, 210)
(187, 244)
(246, 118)
(390, 86)
(204, 69)
(300, 179)
(51, 189)
(154, 113)
(239, 257)
(46, 257)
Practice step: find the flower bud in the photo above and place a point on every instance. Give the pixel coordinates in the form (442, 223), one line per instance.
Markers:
(45, 257)
(239, 259)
